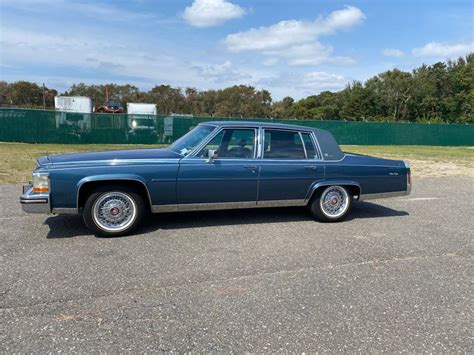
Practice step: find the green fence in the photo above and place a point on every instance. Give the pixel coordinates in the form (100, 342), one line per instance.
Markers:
(38, 126)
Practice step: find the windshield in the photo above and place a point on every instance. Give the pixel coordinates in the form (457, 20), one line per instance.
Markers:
(189, 141)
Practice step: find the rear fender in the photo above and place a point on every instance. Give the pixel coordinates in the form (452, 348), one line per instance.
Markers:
(318, 184)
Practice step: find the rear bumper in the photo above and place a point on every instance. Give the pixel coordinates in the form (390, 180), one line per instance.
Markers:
(33, 202)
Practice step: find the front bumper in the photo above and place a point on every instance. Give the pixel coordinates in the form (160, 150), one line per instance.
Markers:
(35, 202)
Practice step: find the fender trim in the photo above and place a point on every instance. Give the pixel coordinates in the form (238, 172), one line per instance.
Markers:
(110, 177)
(317, 185)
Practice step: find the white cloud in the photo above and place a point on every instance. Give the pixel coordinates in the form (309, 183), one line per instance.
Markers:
(307, 54)
(287, 33)
(293, 40)
(304, 54)
(320, 81)
(444, 50)
(225, 72)
(24, 47)
(270, 62)
(302, 85)
(208, 13)
(89, 60)
(392, 52)
(108, 12)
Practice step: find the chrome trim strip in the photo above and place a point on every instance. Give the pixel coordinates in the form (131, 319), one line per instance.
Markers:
(120, 162)
(31, 201)
(317, 147)
(281, 203)
(225, 205)
(260, 143)
(203, 206)
(365, 197)
(304, 145)
(64, 211)
(164, 208)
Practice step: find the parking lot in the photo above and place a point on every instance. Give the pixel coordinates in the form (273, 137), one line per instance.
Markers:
(396, 276)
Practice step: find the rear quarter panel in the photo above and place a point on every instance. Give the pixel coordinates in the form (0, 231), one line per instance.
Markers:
(375, 175)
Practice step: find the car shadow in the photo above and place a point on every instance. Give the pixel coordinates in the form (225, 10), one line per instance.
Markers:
(364, 209)
(68, 226)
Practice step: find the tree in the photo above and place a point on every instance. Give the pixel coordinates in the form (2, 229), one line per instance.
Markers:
(442, 92)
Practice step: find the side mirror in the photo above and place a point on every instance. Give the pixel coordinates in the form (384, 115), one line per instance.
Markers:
(211, 155)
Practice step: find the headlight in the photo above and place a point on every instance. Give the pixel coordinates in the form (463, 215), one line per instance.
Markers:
(134, 123)
(40, 182)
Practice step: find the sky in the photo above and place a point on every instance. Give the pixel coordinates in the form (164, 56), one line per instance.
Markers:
(292, 48)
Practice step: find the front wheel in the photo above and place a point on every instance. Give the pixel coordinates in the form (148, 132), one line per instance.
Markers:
(113, 213)
(331, 204)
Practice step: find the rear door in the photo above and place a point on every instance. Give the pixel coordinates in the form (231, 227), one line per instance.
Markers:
(290, 164)
(232, 177)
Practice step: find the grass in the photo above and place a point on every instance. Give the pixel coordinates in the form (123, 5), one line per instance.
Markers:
(417, 151)
(425, 161)
(18, 159)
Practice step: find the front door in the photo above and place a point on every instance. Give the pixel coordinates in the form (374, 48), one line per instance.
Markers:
(289, 166)
(231, 177)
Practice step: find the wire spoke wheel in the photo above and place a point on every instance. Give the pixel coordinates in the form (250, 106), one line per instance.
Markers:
(114, 211)
(334, 201)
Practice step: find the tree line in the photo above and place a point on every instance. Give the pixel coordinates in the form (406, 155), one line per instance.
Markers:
(442, 92)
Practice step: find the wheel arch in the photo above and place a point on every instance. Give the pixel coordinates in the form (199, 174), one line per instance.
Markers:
(86, 185)
(353, 186)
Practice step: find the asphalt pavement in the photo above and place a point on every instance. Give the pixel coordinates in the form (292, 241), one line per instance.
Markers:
(395, 276)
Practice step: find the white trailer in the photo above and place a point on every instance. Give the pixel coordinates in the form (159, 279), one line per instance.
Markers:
(78, 104)
(141, 119)
(141, 109)
(74, 105)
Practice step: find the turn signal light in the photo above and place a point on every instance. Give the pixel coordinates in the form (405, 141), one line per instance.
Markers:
(40, 182)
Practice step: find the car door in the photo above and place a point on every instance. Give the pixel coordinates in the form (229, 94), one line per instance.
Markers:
(290, 164)
(231, 177)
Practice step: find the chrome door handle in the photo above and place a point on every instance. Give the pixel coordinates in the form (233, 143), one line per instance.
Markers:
(252, 167)
(311, 167)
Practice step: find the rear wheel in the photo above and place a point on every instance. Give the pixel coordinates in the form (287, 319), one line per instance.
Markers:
(113, 213)
(331, 204)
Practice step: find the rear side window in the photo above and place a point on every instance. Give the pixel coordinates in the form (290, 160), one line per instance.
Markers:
(309, 145)
(282, 145)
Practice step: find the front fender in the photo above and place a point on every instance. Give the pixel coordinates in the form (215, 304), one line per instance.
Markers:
(316, 185)
(110, 177)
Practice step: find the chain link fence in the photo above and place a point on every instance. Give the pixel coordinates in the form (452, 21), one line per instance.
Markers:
(42, 126)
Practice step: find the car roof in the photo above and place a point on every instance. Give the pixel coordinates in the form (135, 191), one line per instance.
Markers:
(259, 124)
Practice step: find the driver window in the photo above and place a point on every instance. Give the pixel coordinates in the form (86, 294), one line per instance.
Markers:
(232, 143)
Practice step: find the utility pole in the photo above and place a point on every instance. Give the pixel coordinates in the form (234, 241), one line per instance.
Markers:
(44, 99)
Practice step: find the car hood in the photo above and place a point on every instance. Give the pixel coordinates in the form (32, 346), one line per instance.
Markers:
(109, 155)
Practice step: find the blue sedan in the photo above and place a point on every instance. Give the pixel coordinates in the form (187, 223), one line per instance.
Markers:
(217, 165)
